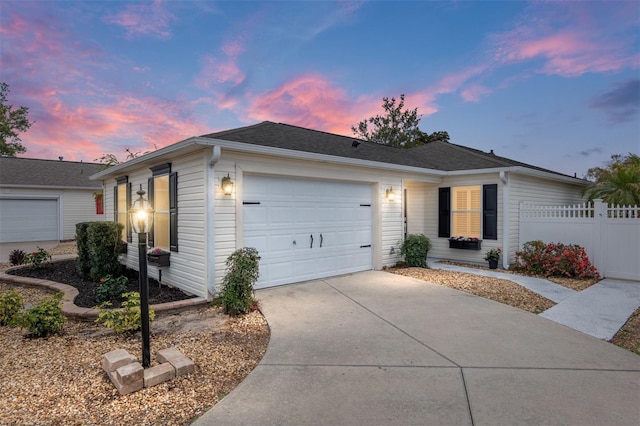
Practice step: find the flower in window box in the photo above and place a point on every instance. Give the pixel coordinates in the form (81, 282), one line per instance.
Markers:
(461, 238)
(158, 257)
(157, 251)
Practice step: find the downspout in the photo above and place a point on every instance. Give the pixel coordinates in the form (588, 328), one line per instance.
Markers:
(504, 178)
(210, 195)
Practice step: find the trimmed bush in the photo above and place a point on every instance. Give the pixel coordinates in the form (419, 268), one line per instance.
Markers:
(555, 260)
(17, 257)
(82, 243)
(11, 304)
(127, 319)
(414, 249)
(45, 318)
(104, 246)
(237, 284)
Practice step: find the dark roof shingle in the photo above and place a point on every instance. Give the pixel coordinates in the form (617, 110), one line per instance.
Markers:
(437, 155)
(34, 172)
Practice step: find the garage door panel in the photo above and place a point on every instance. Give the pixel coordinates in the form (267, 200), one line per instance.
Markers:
(295, 210)
(29, 220)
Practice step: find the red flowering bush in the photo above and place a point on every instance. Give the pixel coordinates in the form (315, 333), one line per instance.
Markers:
(555, 260)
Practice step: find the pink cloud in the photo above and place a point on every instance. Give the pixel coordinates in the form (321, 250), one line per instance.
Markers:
(474, 92)
(143, 19)
(572, 39)
(308, 101)
(215, 71)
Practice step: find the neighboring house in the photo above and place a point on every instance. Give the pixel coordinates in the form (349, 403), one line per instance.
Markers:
(316, 204)
(42, 200)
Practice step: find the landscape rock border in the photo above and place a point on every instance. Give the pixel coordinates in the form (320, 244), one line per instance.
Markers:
(71, 310)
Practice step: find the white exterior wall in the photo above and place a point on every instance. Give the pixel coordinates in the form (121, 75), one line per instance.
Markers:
(534, 190)
(74, 206)
(188, 269)
(387, 217)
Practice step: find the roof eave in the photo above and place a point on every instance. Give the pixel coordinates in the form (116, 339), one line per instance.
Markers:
(523, 171)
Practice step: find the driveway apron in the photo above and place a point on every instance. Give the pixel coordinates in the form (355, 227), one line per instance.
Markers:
(381, 349)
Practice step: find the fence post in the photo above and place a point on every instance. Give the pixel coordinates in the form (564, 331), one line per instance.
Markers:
(599, 225)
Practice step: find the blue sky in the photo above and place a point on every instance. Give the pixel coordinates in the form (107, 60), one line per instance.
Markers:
(554, 84)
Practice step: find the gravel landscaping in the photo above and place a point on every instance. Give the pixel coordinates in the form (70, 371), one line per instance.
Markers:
(59, 380)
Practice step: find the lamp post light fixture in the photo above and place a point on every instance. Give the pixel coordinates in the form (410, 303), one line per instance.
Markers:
(141, 216)
(227, 185)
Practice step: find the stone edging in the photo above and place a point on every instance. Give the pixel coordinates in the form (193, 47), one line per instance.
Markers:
(71, 310)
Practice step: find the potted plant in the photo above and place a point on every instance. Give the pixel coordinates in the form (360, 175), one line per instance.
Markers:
(493, 256)
(465, 243)
(158, 257)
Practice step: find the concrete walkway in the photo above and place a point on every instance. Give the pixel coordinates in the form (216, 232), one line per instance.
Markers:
(381, 349)
(599, 311)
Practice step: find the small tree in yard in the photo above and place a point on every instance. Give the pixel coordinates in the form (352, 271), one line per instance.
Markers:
(237, 285)
(12, 123)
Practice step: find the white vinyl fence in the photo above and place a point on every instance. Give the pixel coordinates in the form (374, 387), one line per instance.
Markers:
(609, 234)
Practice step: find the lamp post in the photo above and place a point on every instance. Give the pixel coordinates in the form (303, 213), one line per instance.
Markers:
(141, 215)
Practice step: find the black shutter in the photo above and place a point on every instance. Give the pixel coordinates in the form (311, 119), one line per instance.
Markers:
(128, 225)
(444, 212)
(115, 203)
(490, 212)
(173, 212)
(150, 194)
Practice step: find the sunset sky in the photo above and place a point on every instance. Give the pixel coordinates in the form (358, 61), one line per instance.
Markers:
(553, 84)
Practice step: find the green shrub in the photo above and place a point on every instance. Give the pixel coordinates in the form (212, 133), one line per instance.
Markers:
(104, 246)
(237, 285)
(11, 304)
(38, 259)
(82, 243)
(45, 318)
(111, 287)
(414, 249)
(126, 319)
(555, 260)
(17, 257)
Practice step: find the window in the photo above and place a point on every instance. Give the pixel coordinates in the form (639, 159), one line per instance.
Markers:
(470, 211)
(466, 211)
(121, 205)
(163, 194)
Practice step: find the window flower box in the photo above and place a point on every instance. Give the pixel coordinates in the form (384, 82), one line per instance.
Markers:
(158, 257)
(465, 243)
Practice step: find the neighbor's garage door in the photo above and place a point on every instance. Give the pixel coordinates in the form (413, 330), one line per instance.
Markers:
(28, 220)
(306, 229)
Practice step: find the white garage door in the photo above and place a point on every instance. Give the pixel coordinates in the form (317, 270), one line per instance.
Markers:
(306, 229)
(28, 220)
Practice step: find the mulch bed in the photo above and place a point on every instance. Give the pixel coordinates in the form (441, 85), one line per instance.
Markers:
(66, 272)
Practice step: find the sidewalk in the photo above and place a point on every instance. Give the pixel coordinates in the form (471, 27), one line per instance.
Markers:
(599, 311)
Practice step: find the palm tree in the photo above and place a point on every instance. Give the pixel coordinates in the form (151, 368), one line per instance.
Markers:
(618, 183)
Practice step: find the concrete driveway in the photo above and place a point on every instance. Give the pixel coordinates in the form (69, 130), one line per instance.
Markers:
(381, 349)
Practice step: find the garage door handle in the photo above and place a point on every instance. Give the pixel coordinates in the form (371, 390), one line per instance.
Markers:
(321, 240)
(367, 245)
(311, 241)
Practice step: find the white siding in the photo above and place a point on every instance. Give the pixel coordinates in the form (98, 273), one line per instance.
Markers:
(188, 264)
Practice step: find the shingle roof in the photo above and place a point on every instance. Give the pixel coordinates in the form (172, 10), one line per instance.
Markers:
(435, 155)
(33, 172)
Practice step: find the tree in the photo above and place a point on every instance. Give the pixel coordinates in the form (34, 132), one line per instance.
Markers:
(435, 136)
(397, 127)
(13, 122)
(109, 160)
(618, 182)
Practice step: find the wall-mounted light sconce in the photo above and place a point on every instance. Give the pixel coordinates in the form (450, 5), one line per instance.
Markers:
(390, 194)
(227, 185)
